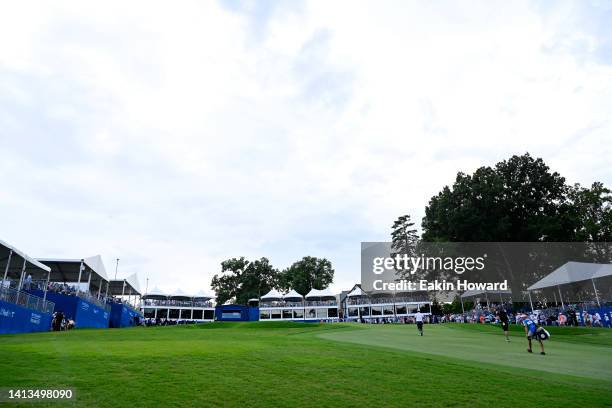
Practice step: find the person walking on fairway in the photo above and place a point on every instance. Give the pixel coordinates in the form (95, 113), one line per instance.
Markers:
(419, 321)
(503, 319)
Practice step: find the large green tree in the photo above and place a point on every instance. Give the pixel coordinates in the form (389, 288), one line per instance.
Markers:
(522, 200)
(308, 273)
(241, 280)
(591, 212)
(519, 199)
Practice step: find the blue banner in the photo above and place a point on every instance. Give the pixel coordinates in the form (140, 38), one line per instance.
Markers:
(84, 313)
(18, 319)
(124, 316)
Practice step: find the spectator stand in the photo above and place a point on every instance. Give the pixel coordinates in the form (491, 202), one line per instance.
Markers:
(320, 305)
(276, 306)
(20, 311)
(358, 305)
(79, 287)
(159, 307)
(124, 300)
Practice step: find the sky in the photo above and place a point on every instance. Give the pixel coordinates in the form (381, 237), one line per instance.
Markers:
(176, 135)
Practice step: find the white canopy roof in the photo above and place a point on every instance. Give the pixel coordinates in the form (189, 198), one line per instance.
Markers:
(179, 294)
(292, 294)
(357, 291)
(272, 295)
(316, 293)
(126, 286)
(95, 263)
(22, 255)
(155, 293)
(573, 272)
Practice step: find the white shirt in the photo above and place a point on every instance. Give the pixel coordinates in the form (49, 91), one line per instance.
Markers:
(419, 316)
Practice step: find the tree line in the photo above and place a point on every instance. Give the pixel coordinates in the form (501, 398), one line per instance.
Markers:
(519, 200)
(241, 279)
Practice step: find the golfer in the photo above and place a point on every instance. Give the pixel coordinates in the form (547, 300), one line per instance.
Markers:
(532, 330)
(503, 319)
(419, 321)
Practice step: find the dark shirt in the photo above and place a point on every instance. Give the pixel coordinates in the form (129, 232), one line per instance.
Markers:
(503, 317)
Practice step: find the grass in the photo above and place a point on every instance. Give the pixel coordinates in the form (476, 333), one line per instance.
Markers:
(295, 364)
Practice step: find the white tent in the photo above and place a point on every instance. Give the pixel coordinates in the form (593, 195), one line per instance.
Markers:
(95, 263)
(315, 294)
(357, 291)
(155, 293)
(293, 295)
(573, 272)
(179, 295)
(272, 295)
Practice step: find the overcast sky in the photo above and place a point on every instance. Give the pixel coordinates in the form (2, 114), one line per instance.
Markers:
(177, 135)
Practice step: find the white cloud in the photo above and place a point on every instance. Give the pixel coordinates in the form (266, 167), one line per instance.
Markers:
(176, 137)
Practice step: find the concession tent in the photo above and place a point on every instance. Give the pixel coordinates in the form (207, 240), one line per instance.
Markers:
(573, 272)
(293, 296)
(272, 295)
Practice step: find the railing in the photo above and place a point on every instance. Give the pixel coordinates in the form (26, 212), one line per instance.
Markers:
(320, 303)
(26, 300)
(281, 304)
(93, 299)
(175, 303)
(385, 300)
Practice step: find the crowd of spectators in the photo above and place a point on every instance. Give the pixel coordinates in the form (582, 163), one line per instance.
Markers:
(573, 315)
(165, 322)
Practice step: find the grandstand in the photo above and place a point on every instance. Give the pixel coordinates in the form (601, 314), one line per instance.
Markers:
(178, 306)
(358, 304)
(20, 311)
(317, 305)
(79, 288)
(124, 301)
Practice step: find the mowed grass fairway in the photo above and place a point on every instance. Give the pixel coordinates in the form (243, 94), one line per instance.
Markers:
(294, 364)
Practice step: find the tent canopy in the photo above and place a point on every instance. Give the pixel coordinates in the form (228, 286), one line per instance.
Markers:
(67, 270)
(155, 293)
(179, 295)
(272, 295)
(356, 291)
(115, 287)
(324, 294)
(293, 295)
(573, 272)
(33, 267)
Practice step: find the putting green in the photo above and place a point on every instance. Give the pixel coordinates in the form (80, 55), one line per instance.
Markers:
(474, 346)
